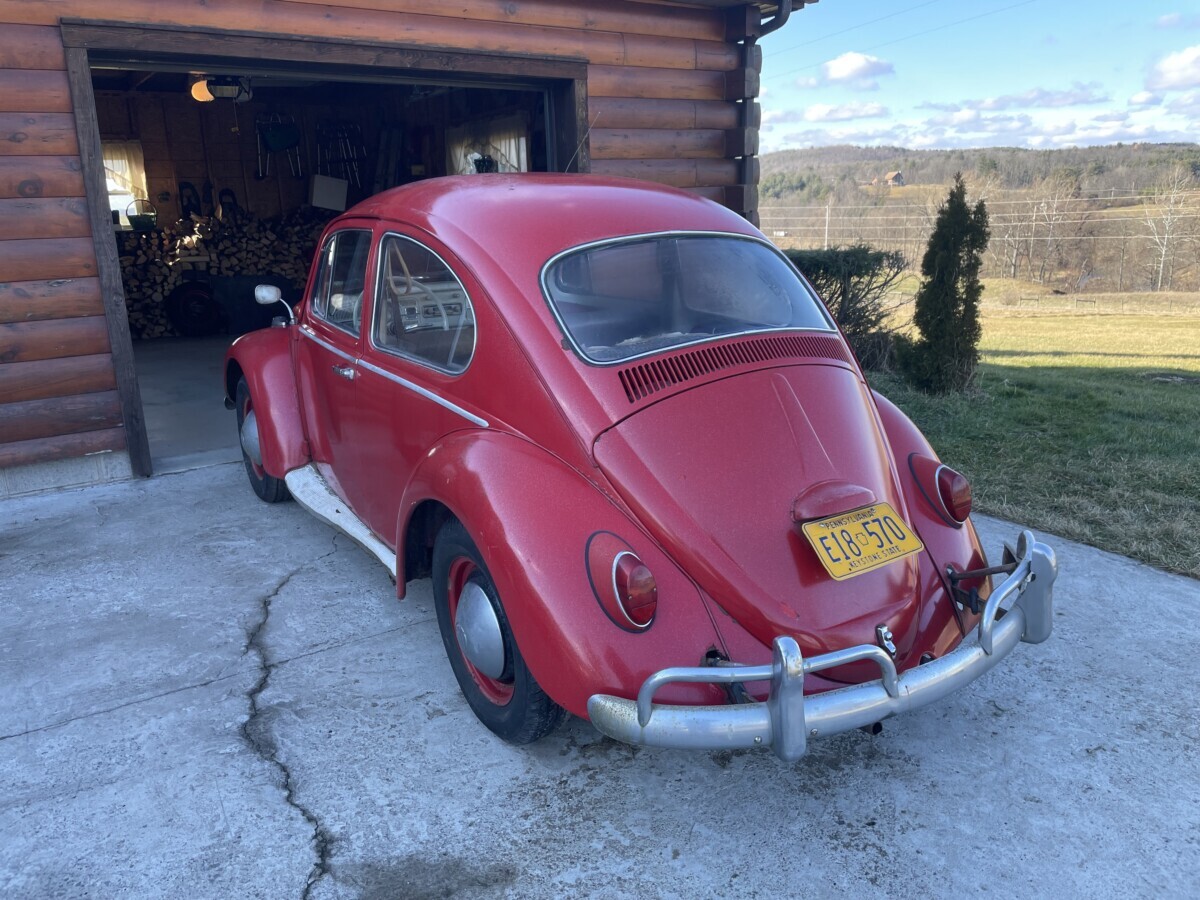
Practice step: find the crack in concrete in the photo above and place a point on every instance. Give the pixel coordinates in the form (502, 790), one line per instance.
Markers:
(258, 736)
(317, 651)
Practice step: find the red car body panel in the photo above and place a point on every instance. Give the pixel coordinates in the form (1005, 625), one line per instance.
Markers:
(538, 565)
(693, 457)
(264, 359)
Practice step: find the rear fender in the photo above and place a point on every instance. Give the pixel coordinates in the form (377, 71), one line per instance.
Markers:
(531, 517)
(264, 359)
(946, 544)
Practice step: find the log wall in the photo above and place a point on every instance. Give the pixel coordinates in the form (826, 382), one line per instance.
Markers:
(57, 383)
(669, 98)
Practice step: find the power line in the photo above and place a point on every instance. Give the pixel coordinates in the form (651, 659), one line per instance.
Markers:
(826, 37)
(909, 37)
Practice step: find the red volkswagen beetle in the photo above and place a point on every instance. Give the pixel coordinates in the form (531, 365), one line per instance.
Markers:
(629, 445)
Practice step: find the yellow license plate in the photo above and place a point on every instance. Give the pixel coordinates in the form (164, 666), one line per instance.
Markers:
(851, 543)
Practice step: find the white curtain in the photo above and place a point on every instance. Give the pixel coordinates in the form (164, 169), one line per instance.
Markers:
(125, 172)
(125, 167)
(505, 140)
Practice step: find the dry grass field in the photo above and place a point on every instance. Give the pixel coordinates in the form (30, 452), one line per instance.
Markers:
(1086, 426)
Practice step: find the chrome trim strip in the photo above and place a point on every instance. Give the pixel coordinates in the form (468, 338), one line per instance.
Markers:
(428, 395)
(788, 719)
(312, 336)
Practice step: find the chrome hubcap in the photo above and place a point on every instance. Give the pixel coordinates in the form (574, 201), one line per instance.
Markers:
(478, 631)
(249, 437)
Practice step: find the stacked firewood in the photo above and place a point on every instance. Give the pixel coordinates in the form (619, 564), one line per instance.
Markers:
(154, 263)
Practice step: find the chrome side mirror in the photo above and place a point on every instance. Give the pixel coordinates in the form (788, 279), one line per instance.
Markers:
(269, 294)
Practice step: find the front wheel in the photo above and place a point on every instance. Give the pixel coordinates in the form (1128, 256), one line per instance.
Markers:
(492, 674)
(268, 488)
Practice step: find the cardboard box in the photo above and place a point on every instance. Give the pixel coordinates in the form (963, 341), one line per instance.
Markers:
(328, 193)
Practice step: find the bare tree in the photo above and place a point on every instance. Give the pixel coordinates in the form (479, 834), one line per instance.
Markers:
(1059, 217)
(1166, 221)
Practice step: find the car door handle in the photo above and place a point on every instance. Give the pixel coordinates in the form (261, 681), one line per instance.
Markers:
(346, 372)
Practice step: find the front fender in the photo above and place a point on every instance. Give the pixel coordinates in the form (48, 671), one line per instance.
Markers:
(531, 516)
(264, 359)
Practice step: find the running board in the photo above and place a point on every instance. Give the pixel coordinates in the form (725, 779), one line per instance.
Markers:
(311, 491)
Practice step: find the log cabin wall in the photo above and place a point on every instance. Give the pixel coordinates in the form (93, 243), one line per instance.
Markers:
(669, 97)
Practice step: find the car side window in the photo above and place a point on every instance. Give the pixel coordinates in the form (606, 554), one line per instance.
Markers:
(423, 311)
(338, 288)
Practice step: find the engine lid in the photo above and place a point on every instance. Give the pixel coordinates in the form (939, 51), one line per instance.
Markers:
(725, 474)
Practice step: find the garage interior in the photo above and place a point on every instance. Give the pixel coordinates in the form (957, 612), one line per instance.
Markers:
(221, 175)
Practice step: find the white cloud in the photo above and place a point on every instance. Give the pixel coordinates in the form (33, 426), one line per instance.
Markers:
(1177, 20)
(1176, 71)
(853, 70)
(1145, 98)
(1186, 104)
(1041, 98)
(825, 112)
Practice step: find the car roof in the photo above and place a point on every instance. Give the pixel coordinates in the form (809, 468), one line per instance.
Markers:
(548, 212)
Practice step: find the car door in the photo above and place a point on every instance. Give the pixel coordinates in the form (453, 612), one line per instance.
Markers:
(421, 339)
(328, 348)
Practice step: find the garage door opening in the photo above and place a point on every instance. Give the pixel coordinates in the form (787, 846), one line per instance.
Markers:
(221, 172)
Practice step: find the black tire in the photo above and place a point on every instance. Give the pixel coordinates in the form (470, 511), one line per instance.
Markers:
(193, 312)
(268, 488)
(513, 706)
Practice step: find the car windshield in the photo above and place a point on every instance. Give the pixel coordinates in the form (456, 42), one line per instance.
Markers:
(629, 298)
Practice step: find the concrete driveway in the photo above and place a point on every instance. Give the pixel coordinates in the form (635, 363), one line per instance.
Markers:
(205, 696)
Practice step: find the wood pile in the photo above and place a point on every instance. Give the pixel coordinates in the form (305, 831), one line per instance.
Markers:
(154, 263)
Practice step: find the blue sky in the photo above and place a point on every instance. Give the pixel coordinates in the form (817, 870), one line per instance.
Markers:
(944, 73)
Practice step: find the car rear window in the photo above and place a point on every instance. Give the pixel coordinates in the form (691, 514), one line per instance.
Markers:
(628, 298)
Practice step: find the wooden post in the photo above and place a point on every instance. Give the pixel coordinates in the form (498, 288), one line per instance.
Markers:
(108, 267)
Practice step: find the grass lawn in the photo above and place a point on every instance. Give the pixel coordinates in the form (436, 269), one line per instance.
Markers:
(1082, 426)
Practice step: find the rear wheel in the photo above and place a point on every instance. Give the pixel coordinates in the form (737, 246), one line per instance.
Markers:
(268, 488)
(493, 676)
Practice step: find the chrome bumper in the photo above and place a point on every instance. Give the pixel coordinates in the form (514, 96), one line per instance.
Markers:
(787, 719)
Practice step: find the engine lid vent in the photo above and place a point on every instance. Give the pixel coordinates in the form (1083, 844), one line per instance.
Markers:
(642, 380)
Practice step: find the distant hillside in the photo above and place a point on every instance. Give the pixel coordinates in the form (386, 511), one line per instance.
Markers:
(814, 173)
(1096, 219)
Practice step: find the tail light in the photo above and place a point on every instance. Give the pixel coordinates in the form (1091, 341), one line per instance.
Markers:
(948, 492)
(636, 590)
(623, 585)
(955, 493)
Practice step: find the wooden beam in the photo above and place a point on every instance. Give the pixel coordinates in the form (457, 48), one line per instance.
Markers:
(657, 143)
(45, 378)
(34, 90)
(65, 446)
(366, 56)
(741, 142)
(32, 419)
(52, 339)
(48, 259)
(31, 47)
(676, 172)
(632, 112)
(40, 176)
(572, 123)
(67, 298)
(676, 84)
(742, 84)
(560, 15)
(108, 266)
(61, 217)
(32, 134)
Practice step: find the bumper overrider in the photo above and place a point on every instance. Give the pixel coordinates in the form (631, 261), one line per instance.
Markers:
(1019, 610)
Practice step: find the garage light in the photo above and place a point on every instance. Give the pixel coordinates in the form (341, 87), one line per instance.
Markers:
(221, 87)
(200, 91)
